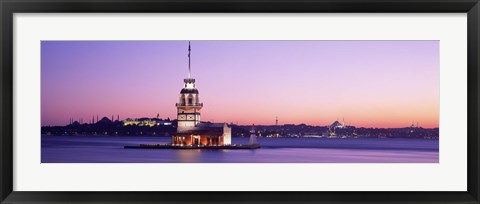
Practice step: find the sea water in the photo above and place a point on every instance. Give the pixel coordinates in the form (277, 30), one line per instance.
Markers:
(109, 149)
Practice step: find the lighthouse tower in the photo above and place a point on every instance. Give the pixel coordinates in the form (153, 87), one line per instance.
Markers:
(188, 107)
(253, 136)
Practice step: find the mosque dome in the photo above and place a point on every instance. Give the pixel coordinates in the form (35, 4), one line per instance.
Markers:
(336, 124)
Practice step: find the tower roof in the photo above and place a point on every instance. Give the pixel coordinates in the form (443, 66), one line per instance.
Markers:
(189, 91)
(189, 82)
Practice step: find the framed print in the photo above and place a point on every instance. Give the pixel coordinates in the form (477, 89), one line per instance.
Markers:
(255, 102)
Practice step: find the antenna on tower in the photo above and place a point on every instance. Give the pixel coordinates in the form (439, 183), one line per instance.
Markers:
(189, 49)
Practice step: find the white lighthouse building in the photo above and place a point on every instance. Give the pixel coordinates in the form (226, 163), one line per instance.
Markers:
(253, 136)
(190, 131)
(189, 106)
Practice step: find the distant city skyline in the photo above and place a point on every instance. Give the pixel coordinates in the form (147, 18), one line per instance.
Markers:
(385, 84)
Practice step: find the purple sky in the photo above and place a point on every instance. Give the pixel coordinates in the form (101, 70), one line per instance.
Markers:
(369, 83)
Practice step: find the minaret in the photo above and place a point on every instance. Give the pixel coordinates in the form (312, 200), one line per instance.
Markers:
(188, 108)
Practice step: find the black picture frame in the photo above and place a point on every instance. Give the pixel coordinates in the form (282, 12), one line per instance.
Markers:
(9, 7)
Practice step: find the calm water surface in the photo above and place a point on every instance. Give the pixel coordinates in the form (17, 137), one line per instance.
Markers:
(109, 149)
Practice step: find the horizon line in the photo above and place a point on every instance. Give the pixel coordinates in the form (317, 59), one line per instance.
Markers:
(230, 123)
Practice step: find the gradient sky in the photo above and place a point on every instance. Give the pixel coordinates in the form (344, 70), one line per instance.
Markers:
(368, 83)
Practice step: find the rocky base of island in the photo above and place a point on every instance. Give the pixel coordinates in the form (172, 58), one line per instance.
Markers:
(169, 146)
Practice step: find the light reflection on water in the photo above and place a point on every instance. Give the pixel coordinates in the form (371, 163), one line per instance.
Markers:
(109, 149)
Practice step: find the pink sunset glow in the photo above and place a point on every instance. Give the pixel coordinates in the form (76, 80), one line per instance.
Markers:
(368, 83)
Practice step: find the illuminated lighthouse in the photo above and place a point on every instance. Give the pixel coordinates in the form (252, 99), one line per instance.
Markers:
(190, 131)
(189, 106)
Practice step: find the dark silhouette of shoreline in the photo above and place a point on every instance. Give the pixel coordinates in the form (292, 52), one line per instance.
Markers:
(165, 128)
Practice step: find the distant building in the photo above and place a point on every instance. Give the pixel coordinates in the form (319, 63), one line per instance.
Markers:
(336, 124)
(146, 122)
(337, 127)
(190, 131)
(104, 121)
